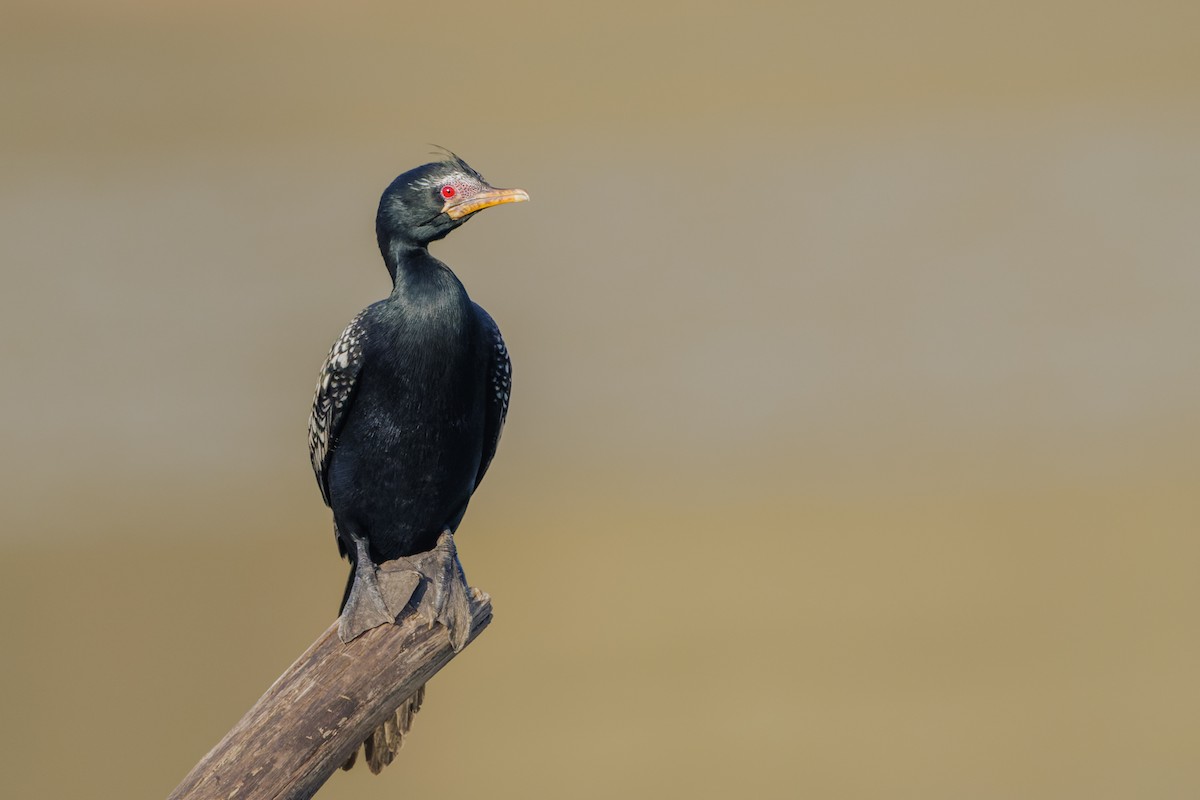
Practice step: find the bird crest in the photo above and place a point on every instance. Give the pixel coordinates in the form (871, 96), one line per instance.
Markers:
(450, 157)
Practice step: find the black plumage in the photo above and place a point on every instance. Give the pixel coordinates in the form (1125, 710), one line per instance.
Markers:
(409, 409)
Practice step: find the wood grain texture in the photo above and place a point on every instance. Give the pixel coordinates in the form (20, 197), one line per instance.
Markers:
(321, 709)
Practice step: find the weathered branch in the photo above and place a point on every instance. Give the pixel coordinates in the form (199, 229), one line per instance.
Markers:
(322, 708)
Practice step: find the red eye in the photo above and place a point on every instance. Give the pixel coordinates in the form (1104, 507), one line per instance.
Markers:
(448, 192)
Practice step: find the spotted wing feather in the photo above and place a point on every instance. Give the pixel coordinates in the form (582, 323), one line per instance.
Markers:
(499, 370)
(335, 391)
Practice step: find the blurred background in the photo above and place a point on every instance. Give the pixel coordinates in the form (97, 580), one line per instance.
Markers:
(854, 442)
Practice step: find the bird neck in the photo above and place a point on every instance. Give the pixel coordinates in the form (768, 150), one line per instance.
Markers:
(398, 255)
(416, 274)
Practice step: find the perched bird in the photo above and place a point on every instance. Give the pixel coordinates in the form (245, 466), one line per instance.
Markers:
(407, 415)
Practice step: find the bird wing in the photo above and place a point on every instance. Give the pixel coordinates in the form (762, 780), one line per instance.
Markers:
(335, 390)
(499, 384)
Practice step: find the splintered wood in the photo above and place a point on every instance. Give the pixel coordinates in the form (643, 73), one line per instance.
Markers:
(321, 709)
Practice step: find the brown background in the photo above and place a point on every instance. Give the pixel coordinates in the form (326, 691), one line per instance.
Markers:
(854, 441)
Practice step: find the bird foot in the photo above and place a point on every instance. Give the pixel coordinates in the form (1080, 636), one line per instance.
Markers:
(377, 596)
(443, 595)
(431, 583)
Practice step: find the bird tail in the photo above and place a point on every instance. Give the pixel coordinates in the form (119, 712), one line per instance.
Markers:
(381, 746)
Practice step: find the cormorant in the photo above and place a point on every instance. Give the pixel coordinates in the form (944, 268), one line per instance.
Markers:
(407, 415)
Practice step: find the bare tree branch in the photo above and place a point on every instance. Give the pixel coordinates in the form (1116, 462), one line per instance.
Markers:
(322, 708)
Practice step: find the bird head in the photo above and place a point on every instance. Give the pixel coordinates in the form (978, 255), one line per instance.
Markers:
(426, 203)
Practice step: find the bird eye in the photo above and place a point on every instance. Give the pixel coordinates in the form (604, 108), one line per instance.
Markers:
(448, 192)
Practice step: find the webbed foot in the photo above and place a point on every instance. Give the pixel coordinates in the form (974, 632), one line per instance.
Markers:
(377, 596)
(433, 581)
(444, 595)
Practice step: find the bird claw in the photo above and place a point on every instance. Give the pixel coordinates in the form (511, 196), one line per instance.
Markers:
(377, 597)
(431, 583)
(444, 595)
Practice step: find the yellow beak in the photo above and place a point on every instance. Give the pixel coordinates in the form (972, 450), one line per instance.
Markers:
(457, 208)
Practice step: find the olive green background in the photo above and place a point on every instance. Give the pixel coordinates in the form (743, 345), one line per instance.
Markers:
(854, 441)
